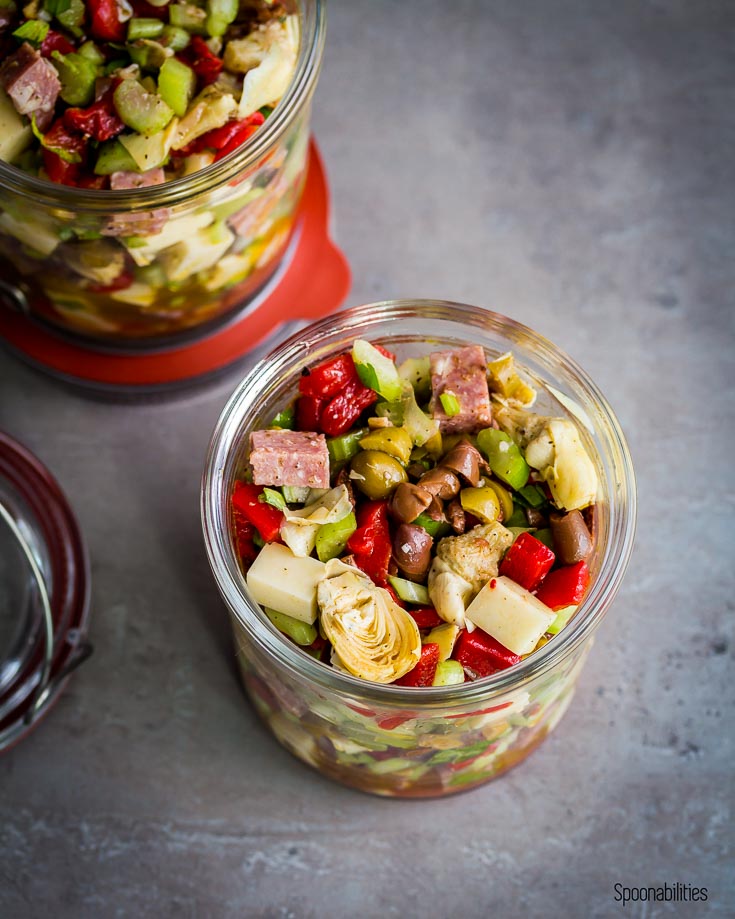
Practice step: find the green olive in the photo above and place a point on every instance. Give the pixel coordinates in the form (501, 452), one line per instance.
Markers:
(377, 474)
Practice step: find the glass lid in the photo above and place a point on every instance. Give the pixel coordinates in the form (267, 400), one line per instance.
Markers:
(44, 591)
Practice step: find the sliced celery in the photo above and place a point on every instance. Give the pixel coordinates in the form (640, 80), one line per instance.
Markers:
(176, 85)
(285, 419)
(220, 13)
(410, 591)
(144, 112)
(376, 370)
(77, 74)
(144, 28)
(562, 618)
(274, 498)
(435, 528)
(175, 38)
(113, 157)
(450, 404)
(345, 446)
(300, 632)
(448, 673)
(296, 494)
(331, 538)
(504, 457)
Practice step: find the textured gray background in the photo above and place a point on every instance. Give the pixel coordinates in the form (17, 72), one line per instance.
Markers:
(570, 163)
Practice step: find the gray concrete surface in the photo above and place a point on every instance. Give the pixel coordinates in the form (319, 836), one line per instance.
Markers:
(569, 163)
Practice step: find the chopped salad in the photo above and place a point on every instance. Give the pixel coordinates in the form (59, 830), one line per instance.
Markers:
(417, 525)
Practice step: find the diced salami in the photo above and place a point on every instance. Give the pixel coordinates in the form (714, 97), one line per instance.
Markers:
(147, 223)
(296, 458)
(462, 373)
(32, 84)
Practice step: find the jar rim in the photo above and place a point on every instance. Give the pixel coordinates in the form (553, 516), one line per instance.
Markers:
(621, 498)
(178, 191)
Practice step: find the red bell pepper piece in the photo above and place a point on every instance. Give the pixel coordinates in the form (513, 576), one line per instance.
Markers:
(206, 66)
(99, 120)
(343, 410)
(425, 670)
(244, 533)
(371, 544)
(89, 180)
(106, 24)
(264, 517)
(145, 10)
(481, 711)
(390, 722)
(121, 282)
(480, 654)
(527, 562)
(55, 41)
(385, 352)
(426, 617)
(242, 131)
(564, 586)
(64, 143)
(328, 378)
(308, 413)
(59, 170)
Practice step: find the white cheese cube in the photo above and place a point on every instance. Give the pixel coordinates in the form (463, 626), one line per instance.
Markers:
(510, 614)
(284, 582)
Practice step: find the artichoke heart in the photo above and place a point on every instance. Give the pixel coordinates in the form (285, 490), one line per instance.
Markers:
(372, 636)
(300, 528)
(558, 454)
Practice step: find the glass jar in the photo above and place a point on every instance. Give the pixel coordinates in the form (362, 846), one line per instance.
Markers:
(387, 739)
(138, 266)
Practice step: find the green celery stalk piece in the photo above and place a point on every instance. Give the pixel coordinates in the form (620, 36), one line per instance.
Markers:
(345, 446)
(516, 519)
(562, 618)
(77, 74)
(285, 419)
(300, 632)
(545, 536)
(175, 38)
(450, 404)
(331, 538)
(448, 673)
(504, 457)
(91, 51)
(33, 31)
(376, 371)
(410, 591)
(274, 498)
(435, 528)
(176, 85)
(220, 13)
(144, 112)
(189, 17)
(417, 371)
(113, 157)
(73, 17)
(144, 28)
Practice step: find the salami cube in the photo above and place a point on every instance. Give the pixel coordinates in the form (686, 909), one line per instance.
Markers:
(294, 458)
(32, 84)
(462, 377)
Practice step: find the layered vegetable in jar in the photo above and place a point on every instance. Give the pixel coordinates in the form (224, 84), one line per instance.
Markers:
(136, 98)
(418, 525)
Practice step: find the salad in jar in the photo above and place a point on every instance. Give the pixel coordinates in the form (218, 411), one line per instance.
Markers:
(416, 525)
(128, 96)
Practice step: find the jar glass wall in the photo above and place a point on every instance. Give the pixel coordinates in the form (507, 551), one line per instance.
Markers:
(137, 266)
(392, 740)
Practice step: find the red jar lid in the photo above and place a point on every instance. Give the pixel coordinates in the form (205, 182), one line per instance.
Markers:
(44, 591)
(312, 281)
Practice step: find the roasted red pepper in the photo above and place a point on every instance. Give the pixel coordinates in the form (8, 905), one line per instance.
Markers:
(426, 617)
(424, 672)
(145, 10)
(370, 544)
(527, 562)
(308, 413)
(206, 66)
(55, 41)
(264, 517)
(391, 722)
(481, 655)
(106, 24)
(239, 134)
(59, 170)
(244, 533)
(328, 378)
(122, 281)
(343, 410)
(99, 120)
(385, 352)
(564, 586)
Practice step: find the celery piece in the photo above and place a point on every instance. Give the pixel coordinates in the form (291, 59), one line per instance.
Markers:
(33, 31)
(448, 673)
(142, 111)
(296, 494)
(72, 17)
(113, 157)
(516, 519)
(435, 528)
(300, 632)
(175, 38)
(345, 446)
(220, 13)
(410, 591)
(118, 63)
(148, 55)
(531, 496)
(376, 371)
(562, 618)
(417, 370)
(545, 536)
(77, 74)
(266, 111)
(274, 498)
(187, 16)
(285, 419)
(393, 411)
(450, 404)
(91, 51)
(504, 457)
(176, 84)
(144, 28)
(331, 538)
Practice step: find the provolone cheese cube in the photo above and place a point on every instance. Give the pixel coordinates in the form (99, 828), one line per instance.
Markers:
(510, 614)
(284, 582)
